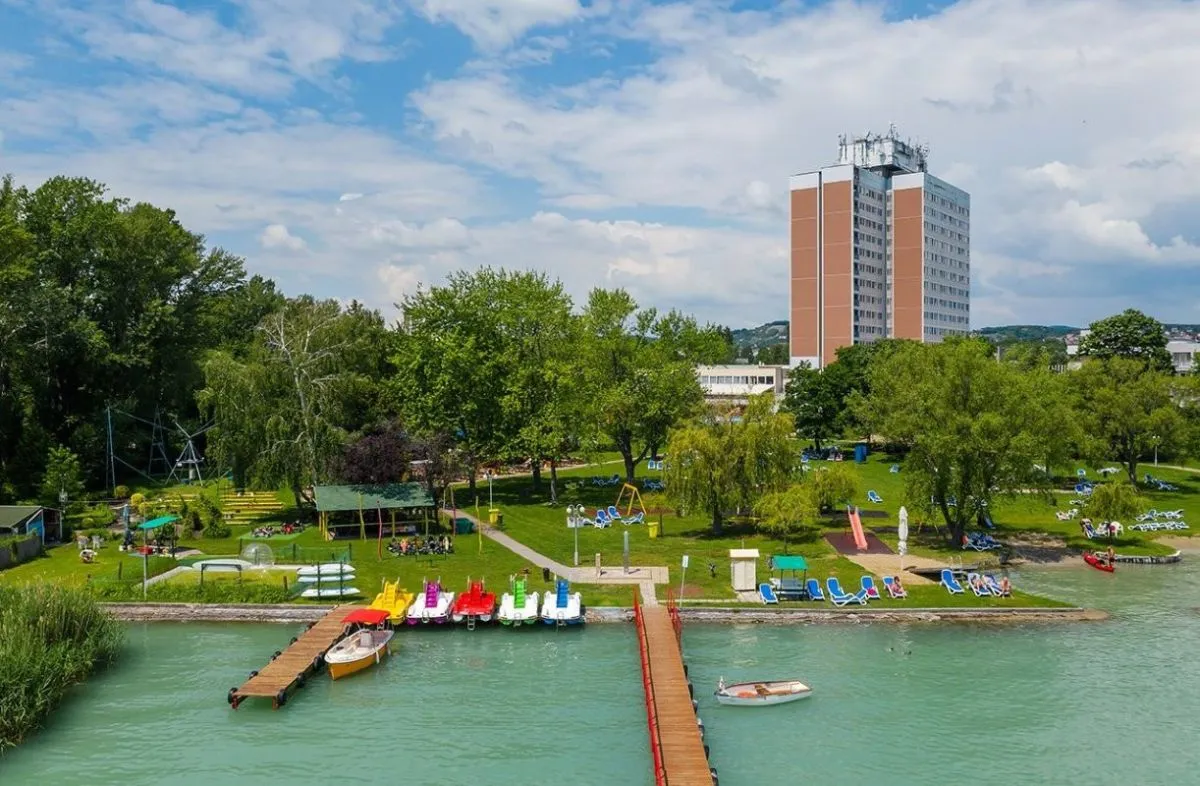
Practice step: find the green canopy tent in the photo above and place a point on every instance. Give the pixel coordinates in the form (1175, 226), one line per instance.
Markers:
(146, 527)
(790, 588)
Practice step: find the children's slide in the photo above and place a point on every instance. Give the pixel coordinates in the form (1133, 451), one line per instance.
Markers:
(860, 539)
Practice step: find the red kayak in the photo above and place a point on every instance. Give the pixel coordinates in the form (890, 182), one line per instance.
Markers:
(1098, 563)
(475, 602)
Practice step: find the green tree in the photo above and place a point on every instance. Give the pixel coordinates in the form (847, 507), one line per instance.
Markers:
(718, 463)
(635, 372)
(973, 427)
(1127, 410)
(785, 514)
(1114, 502)
(813, 401)
(832, 485)
(1130, 334)
(63, 478)
(1035, 354)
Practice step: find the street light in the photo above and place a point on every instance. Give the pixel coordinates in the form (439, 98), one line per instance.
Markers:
(489, 480)
(1155, 438)
(574, 515)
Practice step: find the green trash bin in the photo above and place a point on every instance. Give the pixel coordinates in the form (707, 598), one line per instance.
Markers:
(464, 527)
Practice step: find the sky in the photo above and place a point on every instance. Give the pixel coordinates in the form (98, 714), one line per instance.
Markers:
(359, 149)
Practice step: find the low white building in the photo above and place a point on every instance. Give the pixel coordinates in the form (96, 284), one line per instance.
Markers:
(735, 384)
(1183, 355)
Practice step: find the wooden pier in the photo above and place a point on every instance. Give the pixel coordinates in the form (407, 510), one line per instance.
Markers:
(675, 741)
(290, 668)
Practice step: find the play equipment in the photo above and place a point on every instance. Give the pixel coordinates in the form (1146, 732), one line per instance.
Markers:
(860, 539)
(393, 600)
(635, 498)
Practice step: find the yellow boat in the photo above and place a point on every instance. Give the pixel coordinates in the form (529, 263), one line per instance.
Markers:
(361, 648)
(393, 600)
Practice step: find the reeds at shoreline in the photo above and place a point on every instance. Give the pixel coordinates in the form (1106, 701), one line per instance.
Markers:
(50, 639)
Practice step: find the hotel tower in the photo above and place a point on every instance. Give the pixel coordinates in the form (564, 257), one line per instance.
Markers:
(880, 249)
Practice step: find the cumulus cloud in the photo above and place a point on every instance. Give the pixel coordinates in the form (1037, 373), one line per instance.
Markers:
(278, 236)
(496, 23)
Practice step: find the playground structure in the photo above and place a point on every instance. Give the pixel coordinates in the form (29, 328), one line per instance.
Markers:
(187, 466)
(860, 538)
(635, 498)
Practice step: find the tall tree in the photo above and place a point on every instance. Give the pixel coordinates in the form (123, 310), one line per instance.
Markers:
(1130, 334)
(1127, 410)
(717, 462)
(785, 514)
(636, 372)
(973, 426)
(812, 400)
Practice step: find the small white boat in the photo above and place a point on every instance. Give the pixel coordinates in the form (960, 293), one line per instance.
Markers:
(432, 605)
(562, 607)
(330, 569)
(518, 607)
(343, 577)
(751, 694)
(330, 592)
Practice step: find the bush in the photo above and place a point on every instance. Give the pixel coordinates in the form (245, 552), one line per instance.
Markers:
(136, 500)
(50, 639)
(216, 530)
(121, 492)
(223, 591)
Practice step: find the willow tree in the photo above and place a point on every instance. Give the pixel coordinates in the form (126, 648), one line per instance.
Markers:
(785, 514)
(719, 462)
(974, 427)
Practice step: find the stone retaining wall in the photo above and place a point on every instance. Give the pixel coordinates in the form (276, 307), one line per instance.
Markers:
(199, 612)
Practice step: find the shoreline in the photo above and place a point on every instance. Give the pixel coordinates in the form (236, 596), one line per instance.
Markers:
(190, 612)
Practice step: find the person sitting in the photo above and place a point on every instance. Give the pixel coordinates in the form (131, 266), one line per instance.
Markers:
(978, 583)
(1111, 556)
(897, 587)
(1005, 586)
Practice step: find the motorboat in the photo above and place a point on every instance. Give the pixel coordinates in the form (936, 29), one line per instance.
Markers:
(363, 646)
(431, 605)
(1098, 562)
(518, 607)
(563, 607)
(749, 694)
(474, 604)
(393, 600)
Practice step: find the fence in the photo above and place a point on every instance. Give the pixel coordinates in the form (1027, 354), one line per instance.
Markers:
(660, 771)
(14, 551)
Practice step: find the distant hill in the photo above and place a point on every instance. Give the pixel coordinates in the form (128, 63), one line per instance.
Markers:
(1002, 334)
(762, 336)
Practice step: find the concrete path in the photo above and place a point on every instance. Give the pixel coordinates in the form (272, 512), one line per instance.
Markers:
(889, 565)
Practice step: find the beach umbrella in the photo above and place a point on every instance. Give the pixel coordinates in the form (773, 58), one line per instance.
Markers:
(902, 530)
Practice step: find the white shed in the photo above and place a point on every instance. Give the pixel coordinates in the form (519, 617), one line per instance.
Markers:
(743, 565)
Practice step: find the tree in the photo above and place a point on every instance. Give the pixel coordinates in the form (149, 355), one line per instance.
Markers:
(63, 478)
(381, 455)
(1127, 410)
(1034, 354)
(717, 463)
(1130, 334)
(973, 427)
(1114, 502)
(635, 372)
(784, 514)
(814, 403)
(832, 485)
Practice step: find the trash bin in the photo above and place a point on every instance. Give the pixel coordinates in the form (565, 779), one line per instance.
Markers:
(493, 515)
(498, 520)
(546, 575)
(653, 527)
(464, 527)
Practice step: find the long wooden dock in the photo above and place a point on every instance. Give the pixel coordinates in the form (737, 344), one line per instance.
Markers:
(676, 745)
(290, 668)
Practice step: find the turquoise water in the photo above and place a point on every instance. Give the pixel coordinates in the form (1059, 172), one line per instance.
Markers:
(1113, 702)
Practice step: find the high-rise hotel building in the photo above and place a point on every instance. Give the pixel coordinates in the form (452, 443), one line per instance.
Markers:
(880, 249)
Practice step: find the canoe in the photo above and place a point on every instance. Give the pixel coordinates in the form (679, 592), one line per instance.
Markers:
(343, 577)
(751, 694)
(330, 592)
(1098, 563)
(331, 569)
(357, 651)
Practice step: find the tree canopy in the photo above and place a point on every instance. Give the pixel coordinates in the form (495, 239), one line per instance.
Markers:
(1130, 334)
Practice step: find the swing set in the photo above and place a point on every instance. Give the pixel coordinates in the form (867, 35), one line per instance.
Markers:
(635, 498)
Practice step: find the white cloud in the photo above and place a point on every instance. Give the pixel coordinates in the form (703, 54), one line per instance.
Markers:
(493, 24)
(399, 281)
(278, 236)
(349, 197)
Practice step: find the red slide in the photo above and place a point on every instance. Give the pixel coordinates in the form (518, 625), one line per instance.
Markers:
(860, 540)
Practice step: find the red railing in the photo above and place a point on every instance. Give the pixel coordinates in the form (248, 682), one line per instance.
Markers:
(660, 771)
(676, 620)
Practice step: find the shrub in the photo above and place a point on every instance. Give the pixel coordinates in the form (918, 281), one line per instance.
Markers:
(216, 530)
(136, 500)
(50, 639)
(121, 492)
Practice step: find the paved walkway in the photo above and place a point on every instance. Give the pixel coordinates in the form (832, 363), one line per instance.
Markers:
(889, 565)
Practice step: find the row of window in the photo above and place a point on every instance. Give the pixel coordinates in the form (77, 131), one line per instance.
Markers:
(953, 319)
(935, 332)
(942, 202)
(946, 218)
(953, 305)
(863, 237)
(946, 290)
(938, 272)
(862, 268)
(867, 207)
(737, 380)
(866, 253)
(860, 221)
(933, 229)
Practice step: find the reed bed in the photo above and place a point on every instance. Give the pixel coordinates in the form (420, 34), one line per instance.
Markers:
(50, 639)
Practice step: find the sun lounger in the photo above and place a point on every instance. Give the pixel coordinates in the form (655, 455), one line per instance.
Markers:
(767, 593)
(894, 469)
(841, 598)
(950, 583)
(977, 585)
(868, 586)
(602, 519)
(874, 498)
(636, 518)
(614, 515)
(894, 589)
(814, 590)
(994, 586)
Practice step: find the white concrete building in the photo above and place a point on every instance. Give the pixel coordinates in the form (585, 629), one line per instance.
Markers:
(735, 384)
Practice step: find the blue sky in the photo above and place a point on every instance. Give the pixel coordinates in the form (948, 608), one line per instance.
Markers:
(358, 149)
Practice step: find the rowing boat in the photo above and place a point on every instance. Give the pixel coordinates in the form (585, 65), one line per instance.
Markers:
(750, 694)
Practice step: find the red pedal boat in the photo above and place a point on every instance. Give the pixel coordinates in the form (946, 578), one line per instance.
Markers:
(1098, 563)
(475, 603)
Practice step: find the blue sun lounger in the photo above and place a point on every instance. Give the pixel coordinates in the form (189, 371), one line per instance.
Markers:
(894, 589)
(814, 590)
(614, 515)
(767, 593)
(840, 598)
(868, 586)
(950, 583)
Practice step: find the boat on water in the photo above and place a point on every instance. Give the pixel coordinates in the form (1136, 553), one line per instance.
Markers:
(432, 605)
(474, 604)
(1098, 562)
(364, 645)
(752, 694)
(393, 600)
(563, 607)
(518, 607)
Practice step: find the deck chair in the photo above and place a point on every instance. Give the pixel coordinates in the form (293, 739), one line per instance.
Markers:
(767, 593)
(814, 590)
(894, 469)
(841, 598)
(873, 496)
(894, 589)
(994, 586)
(614, 515)
(602, 519)
(868, 586)
(977, 585)
(950, 583)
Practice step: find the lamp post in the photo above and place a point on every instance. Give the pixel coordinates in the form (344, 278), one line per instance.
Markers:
(1155, 438)
(489, 480)
(574, 514)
